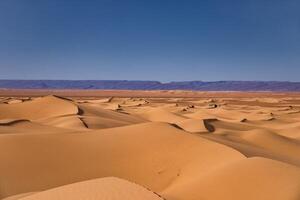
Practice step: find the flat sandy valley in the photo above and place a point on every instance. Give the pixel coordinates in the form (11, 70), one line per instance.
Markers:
(149, 145)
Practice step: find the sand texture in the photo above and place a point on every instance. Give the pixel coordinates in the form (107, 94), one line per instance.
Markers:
(165, 145)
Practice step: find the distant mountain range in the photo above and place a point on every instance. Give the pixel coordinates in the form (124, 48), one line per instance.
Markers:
(152, 85)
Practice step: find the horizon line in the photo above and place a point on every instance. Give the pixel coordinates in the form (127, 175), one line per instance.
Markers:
(162, 82)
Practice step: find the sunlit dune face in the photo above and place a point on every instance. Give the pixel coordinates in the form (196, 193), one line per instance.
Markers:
(216, 146)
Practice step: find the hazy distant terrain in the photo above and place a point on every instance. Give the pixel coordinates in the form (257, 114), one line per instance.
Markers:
(152, 85)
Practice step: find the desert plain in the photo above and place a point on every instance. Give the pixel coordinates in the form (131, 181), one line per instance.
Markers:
(149, 145)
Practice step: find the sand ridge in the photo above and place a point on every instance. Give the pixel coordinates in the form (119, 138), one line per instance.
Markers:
(230, 147)
(109, 188)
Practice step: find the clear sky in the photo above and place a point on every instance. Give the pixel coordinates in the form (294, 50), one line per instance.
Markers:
(164, 40)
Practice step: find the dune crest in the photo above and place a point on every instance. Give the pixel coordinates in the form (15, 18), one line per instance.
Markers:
(184, 148)
(49, 106)
(109, 188)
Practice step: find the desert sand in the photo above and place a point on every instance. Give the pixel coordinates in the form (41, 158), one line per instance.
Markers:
(151, 145)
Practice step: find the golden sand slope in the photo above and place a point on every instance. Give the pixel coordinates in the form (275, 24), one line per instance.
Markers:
(254, 178)
(180, 148)
(46, 107)
(104, 188)
(158, 150)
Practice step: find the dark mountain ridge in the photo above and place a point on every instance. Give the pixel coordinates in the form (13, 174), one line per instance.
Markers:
(152, 85)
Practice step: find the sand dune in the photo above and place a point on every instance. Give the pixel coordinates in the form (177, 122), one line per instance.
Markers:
(24, 126)
(161, 151)
(19, 196)
(159, 148)
(161, 115)
(45, 107)
(255, 178)
(104, 188)
(197, 125)
(88, 110)
(68, 122)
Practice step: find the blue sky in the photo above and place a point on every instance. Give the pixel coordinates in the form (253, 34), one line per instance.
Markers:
(164, 40)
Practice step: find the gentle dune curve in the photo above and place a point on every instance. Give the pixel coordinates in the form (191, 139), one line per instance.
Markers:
(49, 106)
(151, 154)
(109, 188)
(248, 179)
(229, 146)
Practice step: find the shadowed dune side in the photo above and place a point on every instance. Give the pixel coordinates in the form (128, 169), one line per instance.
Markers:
(151, 154)
(67, 122)
(94, 122)
(261, 143)
(64, 113)
(277, 144)
(197, 125)
(96, 111)
(19, 196)
(109, 188)
(259, 138)
(9, 122)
